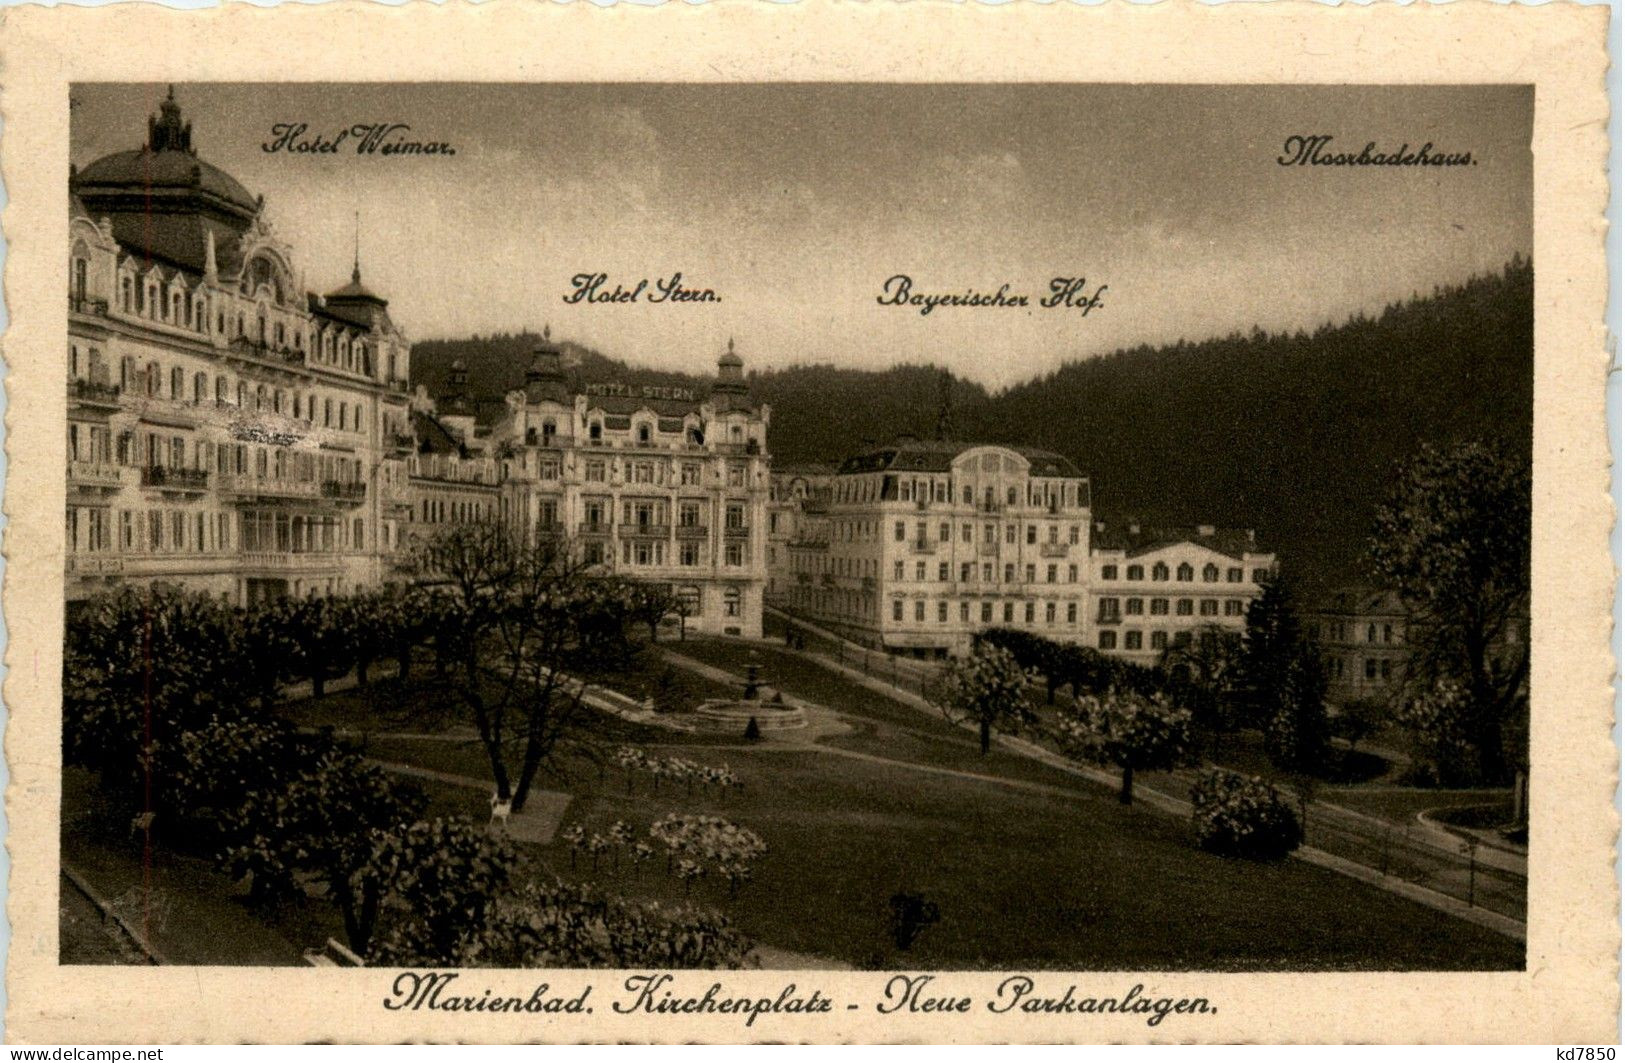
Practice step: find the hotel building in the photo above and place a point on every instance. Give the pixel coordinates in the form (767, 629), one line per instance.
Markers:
(926, 543)
(1361, 635)
(797, 508)
(655, 483)
(1152, 588)
(228, 431)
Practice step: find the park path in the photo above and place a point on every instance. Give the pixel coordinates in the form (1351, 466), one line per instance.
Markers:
(1364, 846)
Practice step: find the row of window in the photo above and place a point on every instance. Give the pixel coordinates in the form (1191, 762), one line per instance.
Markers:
(151, 381)
(1375, 668)
(1136, 640)
(990, 534)
(1342, 631)
(986, 612)
(1053, 494)
(96, 529)
(689, 473)
(1109, 607)
(968, 572)
(1185, 573)
(96, 443)
(690, 553)
(178, 309)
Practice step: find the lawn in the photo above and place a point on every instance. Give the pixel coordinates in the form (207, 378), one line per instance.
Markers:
(1024, 875)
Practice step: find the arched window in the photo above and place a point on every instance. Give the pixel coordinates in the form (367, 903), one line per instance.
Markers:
(177, 383)
(200, 388)
(276, 400)
(1210, 573)
(155, 378)
(81, 277)
(1159, 571)
(242, 395)
(125, 298)
(549, 429)
(220, 389)
(643, 433)
(259, 397)
(1186, 572)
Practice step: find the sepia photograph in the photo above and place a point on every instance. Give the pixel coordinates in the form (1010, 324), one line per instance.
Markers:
(874, 527)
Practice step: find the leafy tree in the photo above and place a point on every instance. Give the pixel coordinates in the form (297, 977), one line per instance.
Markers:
(322, 821)
(1452, 539)
(524, 624)
(1235, 815)
(1296, 732)
(988, 687)
(1203, 672)
(1129, 730)
(435, 884)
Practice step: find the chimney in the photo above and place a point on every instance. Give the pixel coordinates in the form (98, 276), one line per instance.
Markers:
(1204, 529)
(1134, 527)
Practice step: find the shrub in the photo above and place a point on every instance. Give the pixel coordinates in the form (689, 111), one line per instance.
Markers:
(562, 925)
(1238, 815)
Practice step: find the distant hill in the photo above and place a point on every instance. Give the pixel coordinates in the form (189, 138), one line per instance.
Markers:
(1291, 434)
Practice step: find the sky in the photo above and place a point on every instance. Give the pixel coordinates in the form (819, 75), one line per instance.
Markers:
(794, 203)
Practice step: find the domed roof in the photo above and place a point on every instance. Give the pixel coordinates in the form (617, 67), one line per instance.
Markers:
(166, 169)
(167, 163)
(731, 359)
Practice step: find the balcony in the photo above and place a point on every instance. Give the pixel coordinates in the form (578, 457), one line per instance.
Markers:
(79, 304)
(549, 529)
(736, 531)
(90, 393)
(344, 490)
(254, 487)
(95, 474)
(1054, 549)
(986, 506)
(646, 531)
(923, 546)
(693, 531)
(192, 481)
(268, 354)
(283, 561)
(1109, 618)
(987, 549)
(595, 527)
(93, 565)
(403, 442)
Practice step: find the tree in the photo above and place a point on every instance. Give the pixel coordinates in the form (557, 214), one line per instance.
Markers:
(435, 885)
(1359, 719)
(1452, 539)
(324, 821)
(523, 624)
(1280, 681)
(1202, 673)
(1132, 731)
(988, 687)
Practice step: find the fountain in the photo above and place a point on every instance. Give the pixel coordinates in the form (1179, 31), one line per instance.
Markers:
(770, 714)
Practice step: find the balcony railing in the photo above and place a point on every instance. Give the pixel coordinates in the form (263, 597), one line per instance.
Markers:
(280, 559)
(736, 531)
(1054, 549)
(344, 490)
(692, 531)
(924, 546)
(646, 531)
(94, 474)
(595, 527)
(402, 441)
(266, 488)
(1109, 618)
(82, 305)
(174, 479)
(987, 549)
(93, 393)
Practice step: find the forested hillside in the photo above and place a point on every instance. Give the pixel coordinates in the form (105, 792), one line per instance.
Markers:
(1292, 434)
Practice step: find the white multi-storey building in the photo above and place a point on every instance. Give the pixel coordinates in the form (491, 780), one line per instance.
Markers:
(1154, 587)
(227, 431)
(927, 543)
(655, 483)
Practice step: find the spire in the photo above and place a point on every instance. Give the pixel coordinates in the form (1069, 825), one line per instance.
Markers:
(210, 270)
(547, 333)
(165, 130)
(355, 274)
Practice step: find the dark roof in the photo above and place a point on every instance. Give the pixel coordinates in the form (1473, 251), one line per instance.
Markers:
(1360, 600)
(626, 405)
(433, 437)
(160, 172)
(939, 455)
(1232, 542)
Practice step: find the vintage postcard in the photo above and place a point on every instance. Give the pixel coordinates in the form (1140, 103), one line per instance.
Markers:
(1027, 524)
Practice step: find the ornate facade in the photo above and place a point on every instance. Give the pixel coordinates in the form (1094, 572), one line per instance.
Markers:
(658, 484)
(228, 431)
(924, 544)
